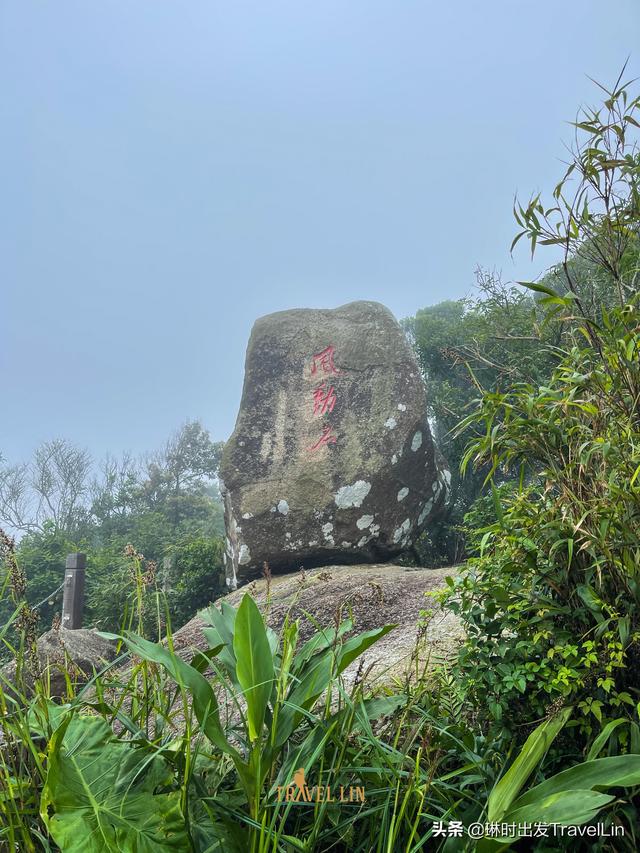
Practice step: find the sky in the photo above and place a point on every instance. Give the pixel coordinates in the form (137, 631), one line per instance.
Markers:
(171, 171)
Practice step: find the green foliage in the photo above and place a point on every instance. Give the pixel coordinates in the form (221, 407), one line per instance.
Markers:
(274, 688)
(467, 347)
(570, 798)
(196, 576)
(254, 664)
(42, 558)
(207, 750)
(595, 210)
(101, 793)
(167, 505)
(483, 514)
(552, 606)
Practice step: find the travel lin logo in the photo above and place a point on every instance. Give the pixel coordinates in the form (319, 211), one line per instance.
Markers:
(299, 791)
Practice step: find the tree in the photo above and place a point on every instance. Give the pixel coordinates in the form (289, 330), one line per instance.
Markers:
(183, 470)
(51, 488)
(114, 491)
(467, 347)
(197, 575)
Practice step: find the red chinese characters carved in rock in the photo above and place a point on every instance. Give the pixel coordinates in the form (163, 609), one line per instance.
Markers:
(324, 396)
(324, 400)
(327, 437)
(324, 361)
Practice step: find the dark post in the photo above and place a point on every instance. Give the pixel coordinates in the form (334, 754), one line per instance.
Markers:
(73, 599)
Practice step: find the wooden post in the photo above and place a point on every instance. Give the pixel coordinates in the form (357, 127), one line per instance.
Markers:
(73, 599)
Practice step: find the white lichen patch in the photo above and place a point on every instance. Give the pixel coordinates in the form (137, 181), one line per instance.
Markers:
(283, 507)
(244, 555)
(288, 535)
(247, 515)
(416, 441)
(402, 407)
(345, 544)
(313, 543)
(326, 532)
(404, 491)
(400, 532)
(447, 476)
(425, 511)
(353, 495)
(391, 423)
(394, 458)
(364, 541)
(374, 530)
(274, 509)
(364, 521)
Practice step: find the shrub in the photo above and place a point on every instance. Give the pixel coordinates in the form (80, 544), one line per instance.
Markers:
(552, 605)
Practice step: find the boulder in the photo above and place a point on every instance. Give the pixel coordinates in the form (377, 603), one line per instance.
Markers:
(374, 595)
(62, 651)
(331, 459)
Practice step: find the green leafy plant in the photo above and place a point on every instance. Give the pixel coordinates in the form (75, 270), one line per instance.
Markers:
(272, 689)
(102, 793)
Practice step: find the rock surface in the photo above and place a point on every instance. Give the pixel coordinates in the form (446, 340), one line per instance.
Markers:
(376, 595)
(331, 459)
(74, 652)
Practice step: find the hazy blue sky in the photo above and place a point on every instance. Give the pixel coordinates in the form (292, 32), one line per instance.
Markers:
(170, 171)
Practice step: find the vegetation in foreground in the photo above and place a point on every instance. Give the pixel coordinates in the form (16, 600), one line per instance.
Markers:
(536, 722)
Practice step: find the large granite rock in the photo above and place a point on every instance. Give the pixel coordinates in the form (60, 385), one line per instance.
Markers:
(331, 459)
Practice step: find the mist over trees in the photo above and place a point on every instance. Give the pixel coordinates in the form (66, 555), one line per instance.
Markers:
(166, 504)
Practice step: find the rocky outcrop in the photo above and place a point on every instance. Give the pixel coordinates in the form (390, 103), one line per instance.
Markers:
(63, 652)
(331, 459)
(374, 595)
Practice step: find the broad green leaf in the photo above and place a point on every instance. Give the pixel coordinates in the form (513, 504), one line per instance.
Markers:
(618, 771)
(355, 646)
(570, 808)
(540, 288)
(530, 756)
(304, 694)
(320, 641)
(222, 628)
(99, 794)
(254, 663)
(45, 718)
